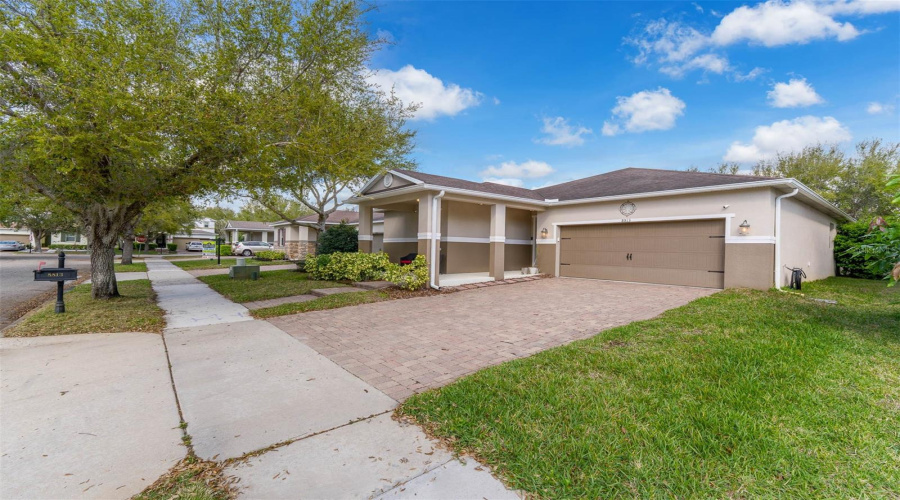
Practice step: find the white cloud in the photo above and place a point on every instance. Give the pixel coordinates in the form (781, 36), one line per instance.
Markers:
(506, 182)
(861, 7)
(560, 133)
(796, 93)
(676, 47)
(786, 136)
(877, 108)
(643, 111)
(436, 98)
(775, 23)
(496, 102)
(509, 169)
(751, 75)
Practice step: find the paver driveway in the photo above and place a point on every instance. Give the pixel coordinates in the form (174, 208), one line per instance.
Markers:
(405, 346)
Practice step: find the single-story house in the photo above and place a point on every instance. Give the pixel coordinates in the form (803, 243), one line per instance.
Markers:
(298, 237)
(73, 237)
(21, 234)
(250, 230)
(636, 225)
(204, 230)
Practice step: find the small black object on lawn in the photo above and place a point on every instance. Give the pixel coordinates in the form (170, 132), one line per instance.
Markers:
(60, 275)
(797, 275)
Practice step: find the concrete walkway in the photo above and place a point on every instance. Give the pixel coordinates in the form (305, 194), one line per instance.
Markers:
(316, 430)
(85, 416)
(188, 301)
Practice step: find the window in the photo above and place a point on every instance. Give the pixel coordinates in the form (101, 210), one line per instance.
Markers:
(68, 237)
(206, 223)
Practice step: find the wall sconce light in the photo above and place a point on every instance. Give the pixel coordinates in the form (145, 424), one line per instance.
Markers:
(544, 233)
(744, 228)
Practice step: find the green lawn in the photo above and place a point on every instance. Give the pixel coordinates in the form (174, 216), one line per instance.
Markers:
(134, 311)
(270, 285)
(322, 303)
(740, 394)
(136, 267)
(192, 265)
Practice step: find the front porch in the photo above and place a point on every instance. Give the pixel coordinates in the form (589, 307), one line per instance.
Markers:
(460, 279)
(464, 239)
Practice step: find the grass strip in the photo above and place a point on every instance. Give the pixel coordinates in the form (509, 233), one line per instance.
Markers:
(328, 302)
(270, 285)
(136, 267)
(197, 264)
(740, 394)
(134, 311)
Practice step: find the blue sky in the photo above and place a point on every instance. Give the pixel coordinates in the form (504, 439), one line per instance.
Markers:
(533, 93)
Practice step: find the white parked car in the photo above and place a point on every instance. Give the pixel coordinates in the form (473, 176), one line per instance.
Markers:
(11, 246)
(194, 246)
(248, 248)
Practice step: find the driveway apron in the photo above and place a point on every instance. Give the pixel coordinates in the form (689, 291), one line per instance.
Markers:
(85, 416)
(247, 387)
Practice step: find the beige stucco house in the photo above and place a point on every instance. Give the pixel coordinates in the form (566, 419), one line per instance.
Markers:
(297, 238)
(639, 225)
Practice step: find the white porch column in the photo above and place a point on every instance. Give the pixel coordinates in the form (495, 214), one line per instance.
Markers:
(365, 229)
(497, 241)
(265, 236)
(428, 231)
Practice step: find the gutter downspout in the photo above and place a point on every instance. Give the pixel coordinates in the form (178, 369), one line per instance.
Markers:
(435, 234)
(778, 235)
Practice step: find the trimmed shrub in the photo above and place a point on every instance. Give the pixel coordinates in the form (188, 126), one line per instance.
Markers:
(224, 249)
(848, 261)
(354, 266)
(358, 266)
(410, 277)
(151, 246)
(67, 246)
(341, 238)
(269, 255)
(173, 247)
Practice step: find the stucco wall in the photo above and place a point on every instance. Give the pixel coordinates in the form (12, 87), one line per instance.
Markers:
(754, 205)
(807, 240)
(399, 224)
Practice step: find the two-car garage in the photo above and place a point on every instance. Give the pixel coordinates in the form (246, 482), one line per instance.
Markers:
(690, 253)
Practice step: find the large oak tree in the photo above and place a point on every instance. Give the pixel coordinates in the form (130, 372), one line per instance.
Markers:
(111, 106)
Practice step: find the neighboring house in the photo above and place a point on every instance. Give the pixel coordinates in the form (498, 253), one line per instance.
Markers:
(22, 235)
(72, 237)
(638, 225)
(249, 230)
(204, 230)
(298, 237)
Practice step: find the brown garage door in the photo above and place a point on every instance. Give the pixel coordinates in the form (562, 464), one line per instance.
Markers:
(673, 253)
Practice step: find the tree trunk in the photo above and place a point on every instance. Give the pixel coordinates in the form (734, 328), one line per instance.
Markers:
(38, 235)
(103, 225)
(127, 248)
(128, 242)
(103, 271)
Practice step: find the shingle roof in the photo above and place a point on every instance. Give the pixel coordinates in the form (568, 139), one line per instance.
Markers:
(639, 180)
(352, 217)
(616, 183)
(483, 187)
(249, 225)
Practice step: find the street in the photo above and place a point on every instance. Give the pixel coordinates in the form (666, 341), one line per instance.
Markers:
(17, 285)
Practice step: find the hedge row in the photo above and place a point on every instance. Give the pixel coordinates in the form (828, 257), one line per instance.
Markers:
(359, 266)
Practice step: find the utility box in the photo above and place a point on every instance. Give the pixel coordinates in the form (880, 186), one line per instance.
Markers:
(244, 272)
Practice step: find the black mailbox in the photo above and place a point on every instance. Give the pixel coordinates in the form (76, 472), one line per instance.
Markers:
(60, 275)
(56, 274)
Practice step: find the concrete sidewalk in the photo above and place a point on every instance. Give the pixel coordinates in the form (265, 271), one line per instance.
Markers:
(245, 386)
(85, 416)
(188, 301)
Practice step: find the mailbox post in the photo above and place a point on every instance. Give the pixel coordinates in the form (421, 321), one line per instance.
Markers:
(60, 275)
